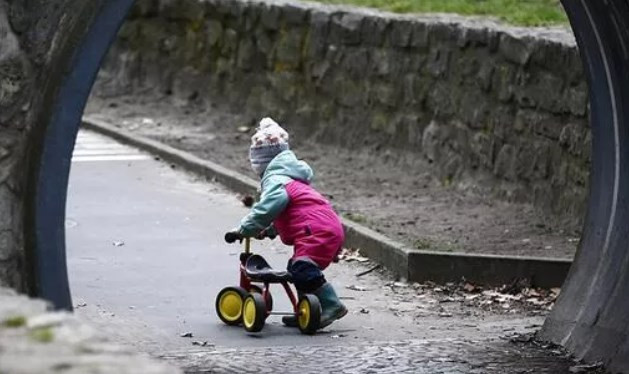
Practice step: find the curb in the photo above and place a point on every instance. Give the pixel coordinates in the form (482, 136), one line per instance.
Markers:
(410, 264)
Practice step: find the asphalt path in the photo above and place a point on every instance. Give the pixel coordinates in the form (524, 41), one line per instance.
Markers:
(146, 259)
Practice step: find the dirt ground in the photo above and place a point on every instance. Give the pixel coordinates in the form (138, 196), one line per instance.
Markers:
(396, 196)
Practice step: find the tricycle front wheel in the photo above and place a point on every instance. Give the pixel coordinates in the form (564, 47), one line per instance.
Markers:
(254, 312)
(269, 298)
(309, 314)
(229, 304)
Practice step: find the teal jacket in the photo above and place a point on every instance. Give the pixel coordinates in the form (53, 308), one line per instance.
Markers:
(282, 170)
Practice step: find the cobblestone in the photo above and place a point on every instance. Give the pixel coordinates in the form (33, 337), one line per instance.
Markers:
(409, 356)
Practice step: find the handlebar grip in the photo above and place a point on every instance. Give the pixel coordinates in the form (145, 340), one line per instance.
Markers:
(231, 237)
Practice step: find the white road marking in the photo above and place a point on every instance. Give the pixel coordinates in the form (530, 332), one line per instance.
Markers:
(91, 147)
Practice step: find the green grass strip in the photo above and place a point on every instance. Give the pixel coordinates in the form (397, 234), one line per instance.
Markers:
(516, 12)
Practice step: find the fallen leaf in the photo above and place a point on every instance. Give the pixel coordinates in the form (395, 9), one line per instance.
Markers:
(201, 343)
(356, 288)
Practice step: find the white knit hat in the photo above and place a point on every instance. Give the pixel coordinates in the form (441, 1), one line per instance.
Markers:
(269, 140)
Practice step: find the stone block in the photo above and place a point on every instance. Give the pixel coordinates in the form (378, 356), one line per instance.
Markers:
(246, 54)
(186, 10)
(515, 49)
(214, 33)
(237, 9)
(401, 31)
(571, 138)
(482, 148)
(14, 72)
(544, 90)
(485, 76)
(230, 43)
(419, 35)
(381, 62)
(356, 61)
(432, 140)
(270, 16)
(252, 18)
(295, 13)
(532, 162)
(576, 99)
(316, 40)
(386, 93)
(411, 126)
(7, 246)
(441, 99)
(415, 89)
(348, 92)
(6, 208)
(374, 30)
(473, 109)
(474, 37)
(504, 82)
(144, 8)
(440, 34)
(288, 48)
(438, 62)
(284, 84)
(505, 162)
(346, 28)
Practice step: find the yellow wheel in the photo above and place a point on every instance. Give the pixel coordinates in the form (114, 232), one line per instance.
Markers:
(309, 316)
(269, 298)
(229, 304)
(254, 312)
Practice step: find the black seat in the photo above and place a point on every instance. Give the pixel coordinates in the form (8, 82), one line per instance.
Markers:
(259, 270)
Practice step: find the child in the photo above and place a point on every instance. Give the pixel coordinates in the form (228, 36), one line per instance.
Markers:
(298, 213)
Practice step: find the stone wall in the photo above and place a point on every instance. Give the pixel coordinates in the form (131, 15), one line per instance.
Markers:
(36, 45)
(501, 104)
(34, 340)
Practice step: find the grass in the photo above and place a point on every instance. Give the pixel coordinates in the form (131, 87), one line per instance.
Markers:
(516, 12)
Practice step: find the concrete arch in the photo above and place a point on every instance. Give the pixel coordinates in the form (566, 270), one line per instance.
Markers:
(590, 316)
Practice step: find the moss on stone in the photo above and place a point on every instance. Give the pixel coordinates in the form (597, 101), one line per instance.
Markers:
(14, 322)
(42, 335)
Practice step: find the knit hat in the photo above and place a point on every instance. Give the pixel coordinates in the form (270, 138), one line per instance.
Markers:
(269, 140)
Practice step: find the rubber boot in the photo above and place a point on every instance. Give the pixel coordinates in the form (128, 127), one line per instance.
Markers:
(289, 321)
(331, 306)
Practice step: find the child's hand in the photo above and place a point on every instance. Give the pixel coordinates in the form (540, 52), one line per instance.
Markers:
(266, 233)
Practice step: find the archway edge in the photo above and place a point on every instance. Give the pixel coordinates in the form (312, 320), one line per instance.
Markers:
(50, 167)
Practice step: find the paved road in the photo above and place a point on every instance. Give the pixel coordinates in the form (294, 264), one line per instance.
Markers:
(146, 259)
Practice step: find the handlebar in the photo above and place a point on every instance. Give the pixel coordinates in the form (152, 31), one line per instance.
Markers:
(231, 237)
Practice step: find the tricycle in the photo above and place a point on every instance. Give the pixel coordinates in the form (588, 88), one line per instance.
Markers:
(251, 303)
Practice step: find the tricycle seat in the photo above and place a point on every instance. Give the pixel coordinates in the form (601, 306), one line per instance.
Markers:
(257, 269)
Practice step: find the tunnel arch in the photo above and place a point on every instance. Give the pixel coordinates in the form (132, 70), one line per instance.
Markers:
(589, 317)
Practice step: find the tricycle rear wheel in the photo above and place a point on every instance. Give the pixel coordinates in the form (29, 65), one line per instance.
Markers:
(309, 314)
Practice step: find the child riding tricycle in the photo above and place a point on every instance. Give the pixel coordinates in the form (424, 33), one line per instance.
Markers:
(304, 219)
(251, 304)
